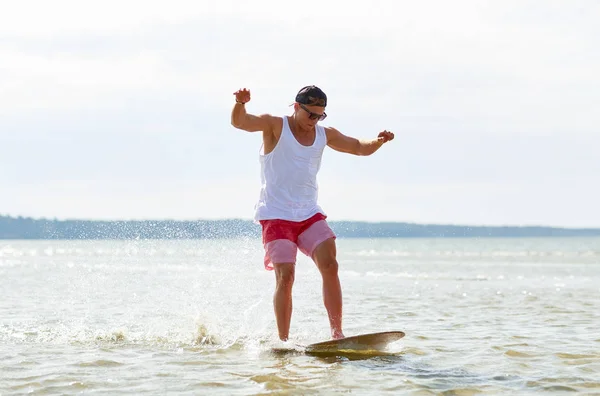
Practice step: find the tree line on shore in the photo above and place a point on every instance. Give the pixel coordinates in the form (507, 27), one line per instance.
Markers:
(30, 228)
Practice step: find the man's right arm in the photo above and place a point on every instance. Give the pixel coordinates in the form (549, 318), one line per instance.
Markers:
(249, 122)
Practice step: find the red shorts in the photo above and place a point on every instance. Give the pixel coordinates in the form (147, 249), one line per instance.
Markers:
(282, 238)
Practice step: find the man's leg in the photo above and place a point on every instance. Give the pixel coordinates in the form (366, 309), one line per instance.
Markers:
(324, 256)
(282, 299)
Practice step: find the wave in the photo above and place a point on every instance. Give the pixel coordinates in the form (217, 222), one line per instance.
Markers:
(475, 254)
(199, 336)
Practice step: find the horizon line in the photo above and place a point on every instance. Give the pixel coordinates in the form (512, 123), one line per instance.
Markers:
(481, 225)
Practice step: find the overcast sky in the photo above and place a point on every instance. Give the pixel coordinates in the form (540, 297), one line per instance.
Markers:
(120, 109)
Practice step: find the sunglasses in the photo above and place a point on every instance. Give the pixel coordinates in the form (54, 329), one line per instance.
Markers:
(313, 116)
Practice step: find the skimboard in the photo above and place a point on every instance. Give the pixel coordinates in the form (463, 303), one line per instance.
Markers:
(362, 345)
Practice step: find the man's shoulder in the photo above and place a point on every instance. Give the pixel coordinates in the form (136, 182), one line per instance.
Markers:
(274, 125)
(330, 131)
(273, 120)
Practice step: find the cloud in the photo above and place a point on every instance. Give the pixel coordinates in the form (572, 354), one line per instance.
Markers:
(505, 203)
(478, 93)
(114, 200)
(479, 62)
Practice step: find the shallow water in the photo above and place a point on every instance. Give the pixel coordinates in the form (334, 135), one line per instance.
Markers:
(495, 316)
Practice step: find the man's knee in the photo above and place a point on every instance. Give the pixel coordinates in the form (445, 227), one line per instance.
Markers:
(284, 275)
(325, 257)
(328, 266)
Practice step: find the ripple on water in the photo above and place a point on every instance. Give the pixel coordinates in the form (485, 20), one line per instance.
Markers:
(99, 363)
(273, 382)
(462, 392)
(518, 354)
(559, 388)
(52, 384)
(578, 359)
(559, 384)
(209, 384)
(588, 385)
(577, 356)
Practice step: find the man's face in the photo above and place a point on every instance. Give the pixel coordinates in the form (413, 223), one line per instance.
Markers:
(309, 116)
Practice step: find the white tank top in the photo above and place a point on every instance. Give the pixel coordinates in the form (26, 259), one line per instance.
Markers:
(289, 189)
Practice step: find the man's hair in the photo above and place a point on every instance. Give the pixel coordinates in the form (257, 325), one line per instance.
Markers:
(312, 96)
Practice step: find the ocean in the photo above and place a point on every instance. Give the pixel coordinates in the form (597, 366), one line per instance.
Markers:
(156, 317)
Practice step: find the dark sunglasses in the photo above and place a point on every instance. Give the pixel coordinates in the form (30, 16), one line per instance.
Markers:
(313, 116)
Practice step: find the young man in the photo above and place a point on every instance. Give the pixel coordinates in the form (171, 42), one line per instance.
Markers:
(287, 209)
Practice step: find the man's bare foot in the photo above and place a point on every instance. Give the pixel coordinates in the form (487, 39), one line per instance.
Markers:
(337, 335)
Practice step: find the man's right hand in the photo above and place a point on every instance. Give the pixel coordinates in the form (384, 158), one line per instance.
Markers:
(249, 122)
(242, 96)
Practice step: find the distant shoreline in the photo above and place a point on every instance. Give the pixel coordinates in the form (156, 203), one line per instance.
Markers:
(44, 229)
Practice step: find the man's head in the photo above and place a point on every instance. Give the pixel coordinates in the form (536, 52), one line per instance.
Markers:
(310, 105)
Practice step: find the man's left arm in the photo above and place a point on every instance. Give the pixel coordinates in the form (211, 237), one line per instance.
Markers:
(347, 144)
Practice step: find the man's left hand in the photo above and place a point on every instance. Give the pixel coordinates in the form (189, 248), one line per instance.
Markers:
(385, 136)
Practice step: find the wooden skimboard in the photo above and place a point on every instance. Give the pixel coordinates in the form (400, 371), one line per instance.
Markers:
(372, 344)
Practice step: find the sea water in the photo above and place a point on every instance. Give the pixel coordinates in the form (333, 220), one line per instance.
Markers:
(155, 317)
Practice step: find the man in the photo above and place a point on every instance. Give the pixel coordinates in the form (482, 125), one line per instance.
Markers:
(287, 209)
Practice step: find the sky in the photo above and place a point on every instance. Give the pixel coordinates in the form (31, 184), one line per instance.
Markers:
(120, 110)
